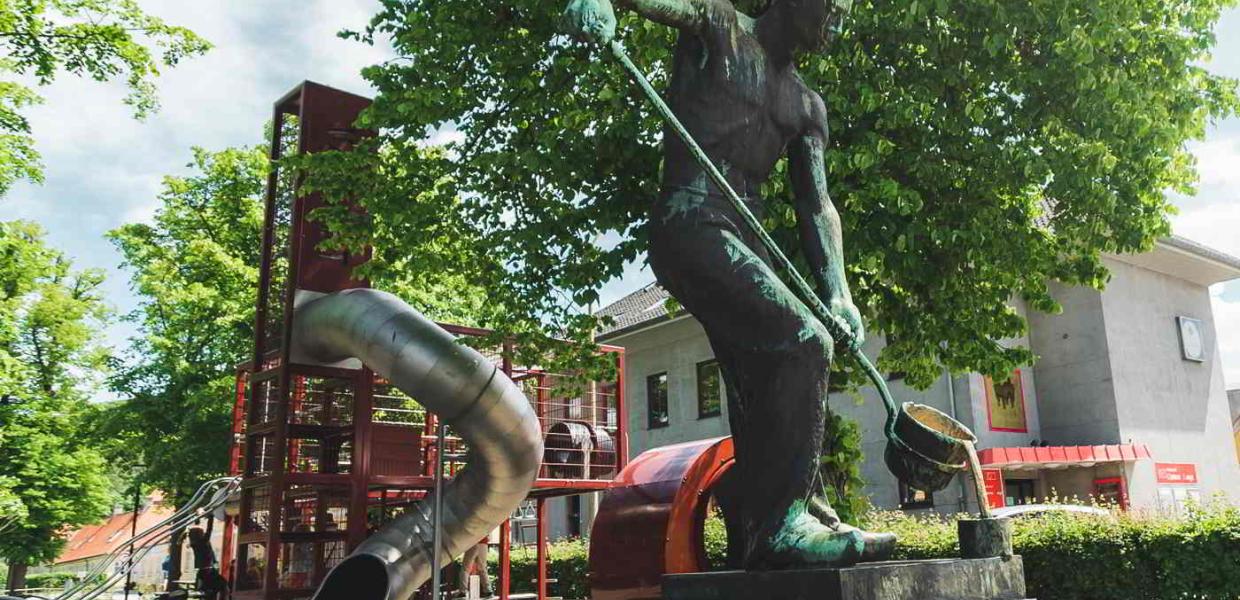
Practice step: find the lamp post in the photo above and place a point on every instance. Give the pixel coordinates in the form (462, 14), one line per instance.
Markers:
(133, 528)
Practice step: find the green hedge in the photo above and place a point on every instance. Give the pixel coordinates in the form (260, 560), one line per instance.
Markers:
(567, 562)
(1068, 556)
(49, 580)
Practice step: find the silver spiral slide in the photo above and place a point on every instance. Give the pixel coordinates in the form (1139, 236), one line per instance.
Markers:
(459, 385)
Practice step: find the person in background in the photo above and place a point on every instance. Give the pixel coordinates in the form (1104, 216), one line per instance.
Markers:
(474, 562)
(207, 579)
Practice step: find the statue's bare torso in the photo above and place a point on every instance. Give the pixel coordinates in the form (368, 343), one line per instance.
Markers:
(741, 106)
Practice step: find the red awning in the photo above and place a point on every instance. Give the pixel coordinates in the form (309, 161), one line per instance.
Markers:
(1061, 457)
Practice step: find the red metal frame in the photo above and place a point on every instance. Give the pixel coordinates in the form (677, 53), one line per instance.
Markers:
(329, 416)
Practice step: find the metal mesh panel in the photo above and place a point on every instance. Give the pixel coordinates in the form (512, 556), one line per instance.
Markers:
(259, 517)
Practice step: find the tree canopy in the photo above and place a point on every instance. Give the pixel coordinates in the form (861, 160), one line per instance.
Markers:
(100, 39)
(50, 316)
(978, 151)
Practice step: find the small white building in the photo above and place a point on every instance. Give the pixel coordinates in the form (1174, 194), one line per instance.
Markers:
(1126, 402)
(87, 547)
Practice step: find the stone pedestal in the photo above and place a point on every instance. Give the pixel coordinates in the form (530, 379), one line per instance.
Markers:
(956, 579)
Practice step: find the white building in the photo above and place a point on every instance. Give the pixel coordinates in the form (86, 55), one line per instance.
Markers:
(1126, 401)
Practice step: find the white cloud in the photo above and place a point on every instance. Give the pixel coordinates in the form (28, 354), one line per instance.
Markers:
(1218, 162)
(1213, 223)
(1212, 217)
(103, 168)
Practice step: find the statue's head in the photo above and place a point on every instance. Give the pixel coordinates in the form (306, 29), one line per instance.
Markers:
(818, 21)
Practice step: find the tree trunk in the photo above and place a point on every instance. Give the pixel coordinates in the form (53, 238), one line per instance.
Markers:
(174, 560)
(17, 576)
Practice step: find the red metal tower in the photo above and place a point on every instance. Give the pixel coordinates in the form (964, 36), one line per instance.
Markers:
(329, 453)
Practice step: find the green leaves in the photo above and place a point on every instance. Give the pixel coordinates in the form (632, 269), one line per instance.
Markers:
(50, 363)
(979, 150)
(99, 39)
(195, 267)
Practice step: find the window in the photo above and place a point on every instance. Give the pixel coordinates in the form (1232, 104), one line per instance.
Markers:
(574, 516)
(656, 401)
(709, 389)
(1019, 492)
(911, 497)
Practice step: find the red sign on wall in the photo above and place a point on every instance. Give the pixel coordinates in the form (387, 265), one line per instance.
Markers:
(993, 479)
(1176, 473)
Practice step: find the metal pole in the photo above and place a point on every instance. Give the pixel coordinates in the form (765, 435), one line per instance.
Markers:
(133, 533)
(505, 559)
(437, 514)
(541, 529)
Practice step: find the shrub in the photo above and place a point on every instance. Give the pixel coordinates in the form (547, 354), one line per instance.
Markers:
(567, 563)
(49, 580)
(1067, 556)
(1128, 556)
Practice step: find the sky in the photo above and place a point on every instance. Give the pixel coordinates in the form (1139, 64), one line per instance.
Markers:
(104, 169)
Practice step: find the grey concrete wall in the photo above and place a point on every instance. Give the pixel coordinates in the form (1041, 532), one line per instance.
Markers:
(1072, 372)
(1178, 407)
(979, 414)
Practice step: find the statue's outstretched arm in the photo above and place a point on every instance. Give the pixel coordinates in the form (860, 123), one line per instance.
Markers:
(681, 14)
(596, 19)
(819, 226)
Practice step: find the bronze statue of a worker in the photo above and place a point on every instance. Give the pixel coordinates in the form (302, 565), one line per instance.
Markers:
(736, 88)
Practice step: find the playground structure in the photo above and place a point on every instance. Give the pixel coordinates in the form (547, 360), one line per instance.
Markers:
(329, 448)
(652, 522)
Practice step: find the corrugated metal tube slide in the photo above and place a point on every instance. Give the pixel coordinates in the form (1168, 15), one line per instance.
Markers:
(473, 397)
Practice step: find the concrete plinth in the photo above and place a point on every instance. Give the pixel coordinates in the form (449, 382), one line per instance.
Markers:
(978, 579)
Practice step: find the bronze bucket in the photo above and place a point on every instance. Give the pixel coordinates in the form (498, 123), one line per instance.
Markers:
(928, 447)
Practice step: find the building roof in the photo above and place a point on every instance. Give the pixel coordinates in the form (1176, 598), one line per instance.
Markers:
(635, 310)
(107, 537)
(1176, 255)
(1188, 260)
(1202, 250)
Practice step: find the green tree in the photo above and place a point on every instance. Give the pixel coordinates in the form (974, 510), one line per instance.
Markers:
(12, 509)
(195, 266)
(100, 39)
(980, 150)
(50, 317)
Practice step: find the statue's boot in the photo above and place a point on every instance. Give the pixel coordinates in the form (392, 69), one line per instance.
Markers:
(878, 546)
